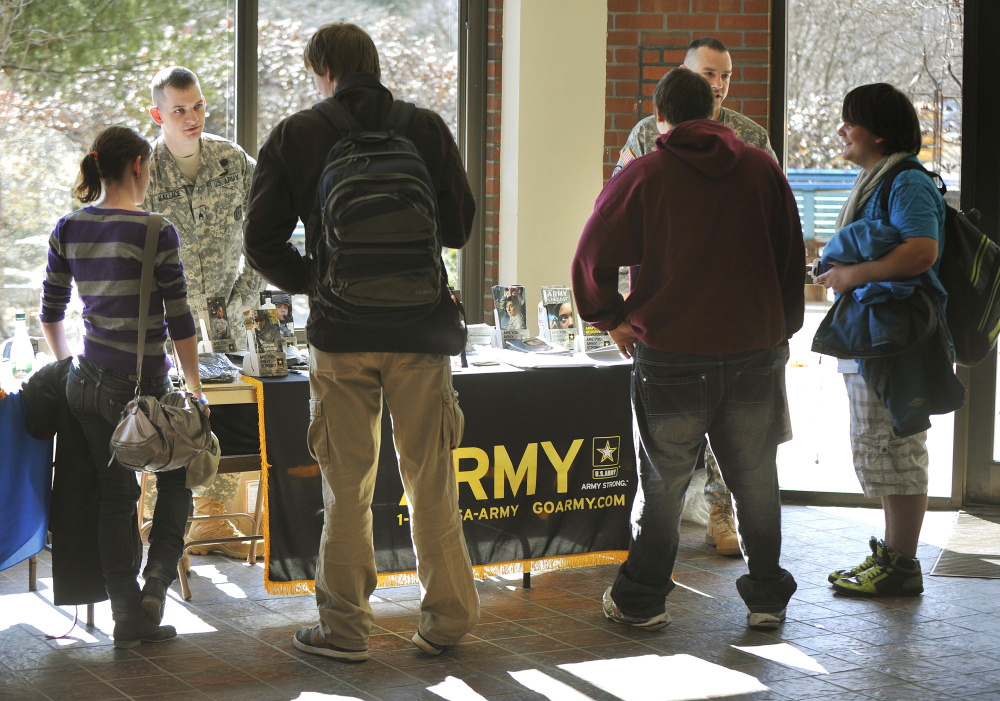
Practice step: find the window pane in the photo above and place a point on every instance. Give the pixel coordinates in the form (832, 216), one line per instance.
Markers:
(417, 41)
(834, 46)
(71, 68)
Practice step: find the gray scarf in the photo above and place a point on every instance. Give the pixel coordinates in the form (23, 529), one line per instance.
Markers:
(864, 187)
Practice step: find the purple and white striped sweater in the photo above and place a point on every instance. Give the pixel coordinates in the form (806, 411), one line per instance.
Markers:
(101, 250)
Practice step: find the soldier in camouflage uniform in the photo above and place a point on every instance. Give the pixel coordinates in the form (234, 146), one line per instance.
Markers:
(200, 182)
(708, 57)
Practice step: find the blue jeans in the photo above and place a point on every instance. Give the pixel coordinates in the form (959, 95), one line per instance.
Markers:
(676, 400)
(97, 396)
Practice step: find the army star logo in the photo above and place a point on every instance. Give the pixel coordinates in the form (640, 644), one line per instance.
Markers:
(606, 451)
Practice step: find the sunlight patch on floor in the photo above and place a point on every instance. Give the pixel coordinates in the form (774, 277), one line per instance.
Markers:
(454, 689)
(692, 589)
(221, 581)
(785, 654)
(552, 689)
(36, 610)
(643, 678)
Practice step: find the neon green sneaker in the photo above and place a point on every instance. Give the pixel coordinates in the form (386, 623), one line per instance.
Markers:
(893, 574)
(876, 545)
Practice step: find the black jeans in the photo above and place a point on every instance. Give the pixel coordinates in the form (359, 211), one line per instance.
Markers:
(97, 396)
(738, 401)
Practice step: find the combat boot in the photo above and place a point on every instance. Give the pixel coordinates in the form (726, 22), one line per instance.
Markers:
(721, 531)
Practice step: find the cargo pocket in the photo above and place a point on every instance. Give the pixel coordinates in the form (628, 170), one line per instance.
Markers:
(873, 460)
(453, 419)
(318, 435)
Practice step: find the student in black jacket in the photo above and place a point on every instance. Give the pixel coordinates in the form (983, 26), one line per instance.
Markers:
(352, 367)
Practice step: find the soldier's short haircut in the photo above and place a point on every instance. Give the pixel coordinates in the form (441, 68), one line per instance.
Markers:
(887, 113)
(683, 95)
(708, 42)
(341, 50)
(172, 77)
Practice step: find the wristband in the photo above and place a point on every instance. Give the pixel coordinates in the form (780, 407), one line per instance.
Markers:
(194, 388)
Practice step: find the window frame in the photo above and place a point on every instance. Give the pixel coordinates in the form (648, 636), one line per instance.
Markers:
(974, 472)
(471, 135)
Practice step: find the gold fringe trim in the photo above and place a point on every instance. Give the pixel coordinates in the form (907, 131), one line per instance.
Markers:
(496, 569)
(302, 586)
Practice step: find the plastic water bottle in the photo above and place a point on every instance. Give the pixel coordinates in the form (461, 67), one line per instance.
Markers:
(22, 353)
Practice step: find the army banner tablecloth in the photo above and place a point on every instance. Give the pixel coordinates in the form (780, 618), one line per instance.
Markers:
(546, 476)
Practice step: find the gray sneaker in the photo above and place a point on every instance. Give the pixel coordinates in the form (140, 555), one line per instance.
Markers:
(310, 639)
(426, 645)
(612, 612)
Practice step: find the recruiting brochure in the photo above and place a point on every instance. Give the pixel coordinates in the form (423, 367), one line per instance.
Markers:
(556, 317)
(533, 345)
(282, 302)
(265, 357)
(509, 307)
(219, 331)
(590, 338)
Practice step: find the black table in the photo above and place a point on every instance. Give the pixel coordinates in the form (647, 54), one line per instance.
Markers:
(546, 475)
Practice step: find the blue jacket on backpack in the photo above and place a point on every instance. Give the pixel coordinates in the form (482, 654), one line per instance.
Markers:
(921, 382)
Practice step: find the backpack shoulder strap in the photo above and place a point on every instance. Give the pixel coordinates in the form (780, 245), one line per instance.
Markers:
(338, 115)
(397, 121)
(900, 167)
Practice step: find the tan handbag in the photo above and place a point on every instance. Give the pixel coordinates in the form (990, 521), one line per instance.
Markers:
(156, 435)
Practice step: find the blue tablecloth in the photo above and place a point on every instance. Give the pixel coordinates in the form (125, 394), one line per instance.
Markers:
(25, 486)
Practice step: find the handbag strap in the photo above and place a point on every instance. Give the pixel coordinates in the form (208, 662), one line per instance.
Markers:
(153, 223)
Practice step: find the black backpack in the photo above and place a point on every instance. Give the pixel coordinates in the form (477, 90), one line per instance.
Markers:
(969, 272)
(379, 250)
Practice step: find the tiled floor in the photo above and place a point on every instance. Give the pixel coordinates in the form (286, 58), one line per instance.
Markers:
(550, 641)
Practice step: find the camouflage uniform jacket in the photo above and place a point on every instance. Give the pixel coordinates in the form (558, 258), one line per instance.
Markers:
(642, 140)
(209, 215)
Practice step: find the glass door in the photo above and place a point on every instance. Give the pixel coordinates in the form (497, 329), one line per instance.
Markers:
(834, 46)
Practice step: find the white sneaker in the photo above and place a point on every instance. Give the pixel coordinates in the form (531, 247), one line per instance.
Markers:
(612, 612)
(765, 621)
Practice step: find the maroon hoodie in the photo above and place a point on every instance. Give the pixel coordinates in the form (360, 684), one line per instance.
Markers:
(714, 227)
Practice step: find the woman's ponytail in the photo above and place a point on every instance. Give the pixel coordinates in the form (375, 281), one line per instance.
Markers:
(89, 189)
(110, 156)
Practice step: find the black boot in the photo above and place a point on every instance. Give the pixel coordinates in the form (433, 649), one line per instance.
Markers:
(134, 632)
(154, 596)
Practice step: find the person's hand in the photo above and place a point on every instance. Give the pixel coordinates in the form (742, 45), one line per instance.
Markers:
(625, 338)
(841, 278)
(204, 402)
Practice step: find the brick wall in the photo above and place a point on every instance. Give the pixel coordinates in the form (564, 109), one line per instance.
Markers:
(645, 39)
(491, 208)
(648, 37)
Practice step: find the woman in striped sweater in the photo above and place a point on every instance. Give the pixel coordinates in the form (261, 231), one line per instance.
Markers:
(100, 247)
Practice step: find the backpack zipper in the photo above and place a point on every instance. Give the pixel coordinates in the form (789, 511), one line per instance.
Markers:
(358, 156)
